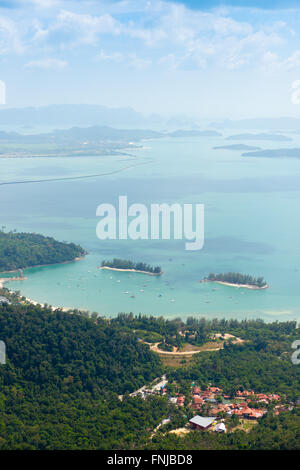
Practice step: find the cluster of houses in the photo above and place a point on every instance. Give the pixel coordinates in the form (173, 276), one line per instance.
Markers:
(200, 397)
(216, 404)
(259, 397)
(158, 386)
(236, 407)
(241, 410)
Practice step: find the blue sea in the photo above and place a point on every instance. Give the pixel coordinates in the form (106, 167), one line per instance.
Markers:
(252, 225)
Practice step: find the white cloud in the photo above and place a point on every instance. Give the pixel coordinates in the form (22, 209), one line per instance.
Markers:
(196, 39)
(151, 36)
(9, 37)
(181, 37)
(272, 60)
(47, 64)
(113, 57)
(85, 27)
(43, 3)
(138, 62)
(293, 61)
(130, 59)
(39, 32)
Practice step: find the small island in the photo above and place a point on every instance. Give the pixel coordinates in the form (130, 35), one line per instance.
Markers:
(274, 153)
(237, 280)
(261, 136)
(26, 250)
(238, 147)
(194, 133)
(126, 265)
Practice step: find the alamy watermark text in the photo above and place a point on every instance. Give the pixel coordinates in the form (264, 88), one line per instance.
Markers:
(162, 222)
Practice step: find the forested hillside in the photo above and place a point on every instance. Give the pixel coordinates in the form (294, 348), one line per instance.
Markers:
(59, 388)
(63, 374)
(51, 349)
(22, 250)
(272, 433)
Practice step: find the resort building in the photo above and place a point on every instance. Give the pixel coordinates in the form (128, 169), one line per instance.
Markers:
(201, 423)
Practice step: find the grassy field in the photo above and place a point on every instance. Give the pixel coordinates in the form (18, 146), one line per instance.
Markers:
(206, 347)
(245, 425)
(175, 361)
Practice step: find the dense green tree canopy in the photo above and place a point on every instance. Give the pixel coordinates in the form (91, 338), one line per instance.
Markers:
(65, 370)
(127, 264)
(237, 278)
(22, 250)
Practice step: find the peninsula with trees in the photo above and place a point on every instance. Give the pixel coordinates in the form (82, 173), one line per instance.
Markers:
(25, 250)
(238, 280)
(261, 136)
(274, 153)
(126, 265)
(238, 147)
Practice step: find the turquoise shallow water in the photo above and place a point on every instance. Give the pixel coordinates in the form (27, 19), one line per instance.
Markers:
(251, 225)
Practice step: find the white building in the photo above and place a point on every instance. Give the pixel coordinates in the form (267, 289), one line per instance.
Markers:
(220, 427)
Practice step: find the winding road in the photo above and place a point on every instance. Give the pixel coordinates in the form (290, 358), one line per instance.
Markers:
(154, 347)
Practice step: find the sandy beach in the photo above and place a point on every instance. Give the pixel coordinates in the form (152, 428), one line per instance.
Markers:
(4, 280)
(243, 286)
(53, 308)
(130, 271)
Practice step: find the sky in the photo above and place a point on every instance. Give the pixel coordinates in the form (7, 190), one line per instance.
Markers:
(208, 59)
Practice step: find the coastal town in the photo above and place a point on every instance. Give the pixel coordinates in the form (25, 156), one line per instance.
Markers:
(210, 409)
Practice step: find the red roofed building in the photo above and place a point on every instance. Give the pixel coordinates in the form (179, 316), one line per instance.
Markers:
(181, 400)
(238, 412)
(247, 411)
(256, 414)
(274, 397)
(215, 389)
(197, 402)
(245, 393)
(262, 396)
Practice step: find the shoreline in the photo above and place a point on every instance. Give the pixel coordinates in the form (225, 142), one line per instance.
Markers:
(53, 308)
(4, 280)
(243, 286)
(130, 271)
(79, 258)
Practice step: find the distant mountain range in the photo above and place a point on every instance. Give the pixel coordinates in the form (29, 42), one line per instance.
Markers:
(237, 147)
(262, 136)
(96, 134)
(83, 115)
(283, 124)
(196, 133)
(274, 153)
(89, 115)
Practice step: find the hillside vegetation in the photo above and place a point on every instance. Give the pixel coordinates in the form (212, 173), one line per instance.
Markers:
(22, 250)
(59, 388)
